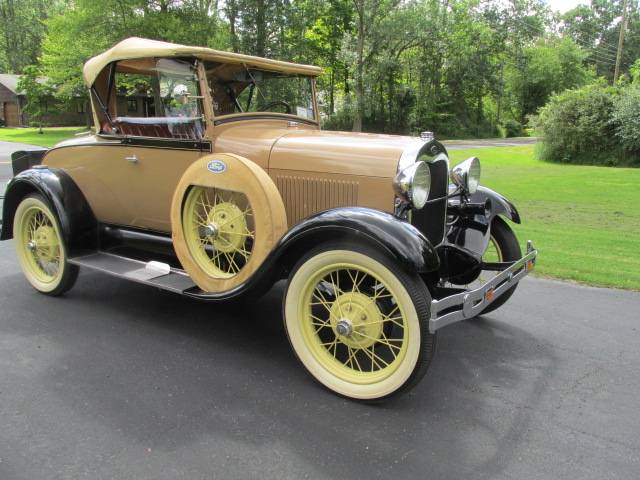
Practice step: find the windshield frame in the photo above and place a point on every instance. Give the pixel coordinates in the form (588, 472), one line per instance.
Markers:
(228, 117)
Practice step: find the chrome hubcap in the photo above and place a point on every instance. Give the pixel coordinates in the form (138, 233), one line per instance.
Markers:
(211, 230)
(344, 327)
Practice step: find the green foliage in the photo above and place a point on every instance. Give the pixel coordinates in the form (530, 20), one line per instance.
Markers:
(577, 128)
(549, 66)
(21, 31)
(460, 68)
(39, 95)
(626, 120)
(512, 128)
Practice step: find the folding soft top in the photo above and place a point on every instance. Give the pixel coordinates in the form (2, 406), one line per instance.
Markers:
(134, 47)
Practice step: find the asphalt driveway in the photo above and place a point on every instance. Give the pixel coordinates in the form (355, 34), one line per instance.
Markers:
(120, 381)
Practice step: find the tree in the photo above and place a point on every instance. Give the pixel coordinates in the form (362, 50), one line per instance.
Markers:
(550, 66)
(39, 94)
(21, 31)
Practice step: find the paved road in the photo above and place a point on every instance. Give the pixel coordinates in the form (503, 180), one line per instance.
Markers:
(489, 142)
(120, 381)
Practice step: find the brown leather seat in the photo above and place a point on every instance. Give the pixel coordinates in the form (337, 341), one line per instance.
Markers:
(159, 127)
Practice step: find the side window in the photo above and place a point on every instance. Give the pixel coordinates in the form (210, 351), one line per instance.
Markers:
(134, 95)
(178, 85)
(157, 98)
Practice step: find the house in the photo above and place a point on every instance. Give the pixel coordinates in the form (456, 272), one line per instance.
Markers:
(12, 104)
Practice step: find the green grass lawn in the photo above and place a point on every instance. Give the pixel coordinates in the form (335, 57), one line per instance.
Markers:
(585, 221)
(50, 137)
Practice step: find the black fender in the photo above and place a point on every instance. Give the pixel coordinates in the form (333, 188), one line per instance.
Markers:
(400, 240)
(499, 204)
(473, 233)
(403, 242)
(77, 222)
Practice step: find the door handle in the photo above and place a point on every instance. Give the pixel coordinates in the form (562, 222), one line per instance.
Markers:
(132, 159)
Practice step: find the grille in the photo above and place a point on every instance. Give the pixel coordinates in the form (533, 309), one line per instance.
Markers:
(431, 219)
(304, 196)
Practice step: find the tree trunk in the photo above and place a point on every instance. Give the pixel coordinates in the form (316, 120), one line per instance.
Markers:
(232, 14)
(261, 29)
(359, 87)
(331, 92)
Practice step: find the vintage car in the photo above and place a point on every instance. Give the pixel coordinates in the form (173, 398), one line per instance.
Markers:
(208, 175)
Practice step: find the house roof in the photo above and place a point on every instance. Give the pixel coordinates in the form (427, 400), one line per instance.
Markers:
(10, 81)
(134, 47)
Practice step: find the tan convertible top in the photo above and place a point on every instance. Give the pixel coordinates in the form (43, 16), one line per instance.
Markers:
(143, 48)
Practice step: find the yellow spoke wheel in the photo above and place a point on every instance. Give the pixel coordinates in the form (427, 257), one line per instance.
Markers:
(218, 227)
(40, 248)
(225, 220)
(358, 323)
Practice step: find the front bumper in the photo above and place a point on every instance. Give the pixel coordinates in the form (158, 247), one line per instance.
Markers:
(464, 305)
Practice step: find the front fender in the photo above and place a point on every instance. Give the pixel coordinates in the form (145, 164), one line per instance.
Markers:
(499, 204)
(77, 222)
(399, 239)
(474, 234)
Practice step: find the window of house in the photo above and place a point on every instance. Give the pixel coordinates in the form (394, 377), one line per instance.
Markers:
(132, 105)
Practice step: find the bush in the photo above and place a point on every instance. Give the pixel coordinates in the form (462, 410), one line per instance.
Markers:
(626, 119)
(511, 128)
(577, 127)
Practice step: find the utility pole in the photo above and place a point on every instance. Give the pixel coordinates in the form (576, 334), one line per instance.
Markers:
(623, 27)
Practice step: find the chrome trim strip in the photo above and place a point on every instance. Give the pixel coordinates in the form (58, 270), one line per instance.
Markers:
(471, 303)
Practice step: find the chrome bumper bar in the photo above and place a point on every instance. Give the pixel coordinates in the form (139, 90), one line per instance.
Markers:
(464, 305)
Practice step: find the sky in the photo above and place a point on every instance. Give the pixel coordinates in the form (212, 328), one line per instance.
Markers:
(564, 5)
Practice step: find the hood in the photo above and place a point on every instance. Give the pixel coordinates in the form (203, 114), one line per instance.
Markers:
(346, 153)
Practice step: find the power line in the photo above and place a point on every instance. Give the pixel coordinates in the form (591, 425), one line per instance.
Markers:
(601, 44)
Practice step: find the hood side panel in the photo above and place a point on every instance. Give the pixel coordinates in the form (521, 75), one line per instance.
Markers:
(339, 153)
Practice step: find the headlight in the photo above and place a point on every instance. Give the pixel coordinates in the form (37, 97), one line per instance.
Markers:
(412, 184)
(466, 175)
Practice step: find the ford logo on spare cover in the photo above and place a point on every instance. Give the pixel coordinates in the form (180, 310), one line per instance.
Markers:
(216, 166)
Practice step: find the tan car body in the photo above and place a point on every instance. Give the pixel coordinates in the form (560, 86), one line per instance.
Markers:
(313, 170)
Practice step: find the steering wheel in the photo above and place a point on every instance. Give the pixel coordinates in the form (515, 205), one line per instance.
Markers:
(278, 103)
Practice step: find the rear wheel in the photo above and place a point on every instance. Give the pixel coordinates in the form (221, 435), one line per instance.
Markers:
(357, 322)
(40, 247)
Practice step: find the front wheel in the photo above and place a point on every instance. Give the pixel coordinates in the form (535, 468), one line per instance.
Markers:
(357, 322)
(503, 247)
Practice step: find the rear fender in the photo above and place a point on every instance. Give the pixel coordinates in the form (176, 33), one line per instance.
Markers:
(77, 222)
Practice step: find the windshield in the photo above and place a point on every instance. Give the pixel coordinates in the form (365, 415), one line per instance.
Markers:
(236, 89)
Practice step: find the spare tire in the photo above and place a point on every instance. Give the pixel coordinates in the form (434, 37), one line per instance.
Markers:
(226, 216)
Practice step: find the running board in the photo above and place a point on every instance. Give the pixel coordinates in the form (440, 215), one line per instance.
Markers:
(156, 274)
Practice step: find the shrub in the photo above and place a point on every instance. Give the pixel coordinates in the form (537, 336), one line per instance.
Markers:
(626, 119)
(511, 128)
(577, 127)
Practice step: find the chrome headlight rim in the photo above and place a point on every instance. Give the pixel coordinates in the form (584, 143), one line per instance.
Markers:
(413, 183)
(466, 175)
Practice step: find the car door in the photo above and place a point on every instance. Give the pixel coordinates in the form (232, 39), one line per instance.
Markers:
(152, 168)
(159, 119)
